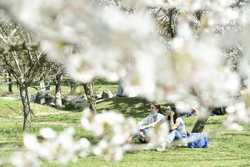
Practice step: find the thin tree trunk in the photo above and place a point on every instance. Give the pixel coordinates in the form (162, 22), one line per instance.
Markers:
(58, 100)
(73, 87)
(28, 100)
(204, 115)
(172, 26)
(47, 86)
(198, 14)
(42, 91)
(26, 107)
(199, 125)
(88, 88)
(10, 83)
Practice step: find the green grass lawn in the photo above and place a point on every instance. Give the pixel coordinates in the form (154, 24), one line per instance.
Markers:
(226, 148)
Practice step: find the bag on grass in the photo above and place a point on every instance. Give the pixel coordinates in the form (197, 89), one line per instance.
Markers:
(198, 140)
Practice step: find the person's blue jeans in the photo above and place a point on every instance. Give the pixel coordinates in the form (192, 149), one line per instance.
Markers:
(175, 135)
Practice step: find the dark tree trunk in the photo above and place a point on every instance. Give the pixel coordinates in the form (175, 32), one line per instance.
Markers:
(199, 125)
(73, 87)
(198, 14)
(42, 91)
(27, 113)
(58, 98)
(172, 24)
(88, 88)
(10, 83)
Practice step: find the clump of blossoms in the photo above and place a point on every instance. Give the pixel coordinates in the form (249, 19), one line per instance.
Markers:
(113, 131)
(237, 113)
(51, 146)
(130, 41)
(157, 136)
(68, 34)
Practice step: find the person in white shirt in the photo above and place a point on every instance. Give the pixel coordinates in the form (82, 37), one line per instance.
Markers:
(177, 128)
(154, 118)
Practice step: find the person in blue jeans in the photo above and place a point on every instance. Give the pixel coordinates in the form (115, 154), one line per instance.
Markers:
(177, 128)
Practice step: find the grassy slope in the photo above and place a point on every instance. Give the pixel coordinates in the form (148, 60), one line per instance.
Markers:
(226, 148)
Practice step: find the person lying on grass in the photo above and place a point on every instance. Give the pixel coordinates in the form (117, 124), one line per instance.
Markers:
(149, 122)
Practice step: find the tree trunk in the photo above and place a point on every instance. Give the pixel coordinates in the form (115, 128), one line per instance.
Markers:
(10, 83)
(47, 86)
(199, 125)
(73, 87)
(26, 107)
(88, 88)
(198, 14)
(58, 101)
(172, 24)
(42, 91)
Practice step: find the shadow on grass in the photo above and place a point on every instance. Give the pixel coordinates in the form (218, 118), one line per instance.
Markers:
(214, 122)
(135, 107)
(104, 82)
(64, 118)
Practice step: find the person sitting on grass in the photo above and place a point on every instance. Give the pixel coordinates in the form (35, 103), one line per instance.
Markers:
(177, 128)
(149, 122)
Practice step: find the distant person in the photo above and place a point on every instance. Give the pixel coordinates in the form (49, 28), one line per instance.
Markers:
(120, 90)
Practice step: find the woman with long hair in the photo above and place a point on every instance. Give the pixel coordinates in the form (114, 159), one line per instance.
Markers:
(150, 122)
(177, 128)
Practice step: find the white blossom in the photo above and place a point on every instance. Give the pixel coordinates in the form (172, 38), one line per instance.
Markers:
(113, 130)
(20, 159)
(237, 113)
(158, 136)
(61, 147)
(48, 133)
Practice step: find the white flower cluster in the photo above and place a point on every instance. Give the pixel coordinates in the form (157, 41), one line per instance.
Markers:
(52, 146)
(114, 44)
(237, 113)
(88, 35)
(157, 136)
(23, 159)
(113, 131)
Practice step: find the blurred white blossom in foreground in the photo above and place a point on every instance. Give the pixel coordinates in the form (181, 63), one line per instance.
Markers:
(237, 113)
(52, 146)
(113, 131)
(102, 39)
